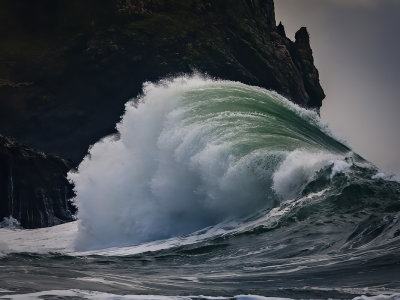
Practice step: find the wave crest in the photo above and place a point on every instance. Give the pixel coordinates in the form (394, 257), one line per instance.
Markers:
(193, 152)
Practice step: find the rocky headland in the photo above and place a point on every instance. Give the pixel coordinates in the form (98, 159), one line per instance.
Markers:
(68, 67)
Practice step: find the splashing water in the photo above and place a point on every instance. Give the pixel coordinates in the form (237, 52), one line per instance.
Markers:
(193, 152)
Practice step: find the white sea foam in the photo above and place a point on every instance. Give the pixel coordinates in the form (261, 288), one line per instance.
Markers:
(58, 238)
(300, 166)
(94, 295)
(379, 297)
(10, 223)
(387, 177)
(341, 166)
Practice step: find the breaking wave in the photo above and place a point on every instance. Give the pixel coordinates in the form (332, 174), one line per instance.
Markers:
(215, 188)
(192, 152)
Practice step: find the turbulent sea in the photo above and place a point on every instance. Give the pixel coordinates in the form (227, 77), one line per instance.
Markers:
(215, 190)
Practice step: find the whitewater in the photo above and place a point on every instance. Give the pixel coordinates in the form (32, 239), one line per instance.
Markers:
(215, 188)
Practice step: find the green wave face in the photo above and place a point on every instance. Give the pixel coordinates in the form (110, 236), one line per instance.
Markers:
(252, 119)
(193, 152)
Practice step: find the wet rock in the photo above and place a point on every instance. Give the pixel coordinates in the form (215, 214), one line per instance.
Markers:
(33, 186)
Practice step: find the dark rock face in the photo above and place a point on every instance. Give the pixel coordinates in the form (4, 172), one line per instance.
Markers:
(68, 67)
(281, 30)
(33, 186)
(303, 58)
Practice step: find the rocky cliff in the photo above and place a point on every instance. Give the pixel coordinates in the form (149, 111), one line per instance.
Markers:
(68, 67)
(33, 186)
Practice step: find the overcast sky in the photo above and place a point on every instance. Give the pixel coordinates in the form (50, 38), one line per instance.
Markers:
(356, 46)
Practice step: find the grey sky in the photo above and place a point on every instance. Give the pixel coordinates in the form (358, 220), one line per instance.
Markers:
(356, 46)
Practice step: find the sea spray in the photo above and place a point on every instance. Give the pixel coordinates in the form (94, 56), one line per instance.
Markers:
(192, 152)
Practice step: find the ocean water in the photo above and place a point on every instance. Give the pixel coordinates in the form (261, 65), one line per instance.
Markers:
(215, 190)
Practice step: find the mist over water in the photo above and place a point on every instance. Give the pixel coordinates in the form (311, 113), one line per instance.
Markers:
(192, 152)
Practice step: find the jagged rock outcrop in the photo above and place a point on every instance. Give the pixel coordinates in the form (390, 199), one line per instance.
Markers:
(33, 186)
(303, 58)
(68, 67)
